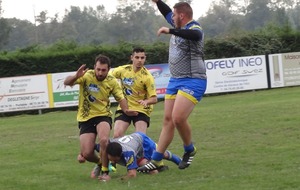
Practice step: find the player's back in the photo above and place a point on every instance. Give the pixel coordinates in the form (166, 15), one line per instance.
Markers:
(132, 143)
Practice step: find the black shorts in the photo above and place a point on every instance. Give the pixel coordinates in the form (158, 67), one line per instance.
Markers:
(120, 115)
(90, 126)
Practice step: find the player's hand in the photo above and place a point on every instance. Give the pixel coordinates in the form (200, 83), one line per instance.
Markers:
(81, 71)
(155, 1)
(104, 178)
(80, 158)
(163, 30)
(143, 102)
(131, 112)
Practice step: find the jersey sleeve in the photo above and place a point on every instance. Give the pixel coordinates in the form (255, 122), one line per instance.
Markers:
(130, 158)
(83, 78)
(116, 72)
(79, 80)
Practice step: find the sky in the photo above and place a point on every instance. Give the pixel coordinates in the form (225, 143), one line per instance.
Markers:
(26, 9)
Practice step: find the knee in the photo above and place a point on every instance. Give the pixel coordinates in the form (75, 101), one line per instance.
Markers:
(167, 119)
(118, 134)
(88, 155)
(178, 120)
(103, 141)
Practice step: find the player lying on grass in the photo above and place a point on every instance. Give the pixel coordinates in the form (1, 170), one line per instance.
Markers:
(133, 151)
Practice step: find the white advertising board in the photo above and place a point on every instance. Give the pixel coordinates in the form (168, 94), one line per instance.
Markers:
(23, 93)
(236, 74)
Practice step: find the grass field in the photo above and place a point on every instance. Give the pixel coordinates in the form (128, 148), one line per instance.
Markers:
(245, 141)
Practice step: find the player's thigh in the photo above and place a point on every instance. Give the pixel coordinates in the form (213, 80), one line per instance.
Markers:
(141, 126)
(183, 107)
(103, 130)
(87, 142)
(168, 108)
(120, 127)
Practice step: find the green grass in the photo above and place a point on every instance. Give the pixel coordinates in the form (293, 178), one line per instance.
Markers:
(245, 141)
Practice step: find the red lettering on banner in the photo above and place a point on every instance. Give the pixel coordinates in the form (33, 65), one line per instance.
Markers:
(161, 91)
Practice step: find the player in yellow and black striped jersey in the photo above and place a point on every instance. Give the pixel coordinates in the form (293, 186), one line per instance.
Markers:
(94, 115)
(139, 89)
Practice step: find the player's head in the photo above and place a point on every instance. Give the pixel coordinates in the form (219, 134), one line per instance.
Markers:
(182, 14)
(114, 151)
(101, 67)
(138, 57)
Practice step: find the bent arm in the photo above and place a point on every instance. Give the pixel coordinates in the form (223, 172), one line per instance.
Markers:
(149, 101)
(124, 107)
(70, 80)
(188, 34)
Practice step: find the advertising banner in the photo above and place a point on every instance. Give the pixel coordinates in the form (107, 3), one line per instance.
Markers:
(236, 74)
(23, 93)
(284, 69)
(64, 96)
(161, 74)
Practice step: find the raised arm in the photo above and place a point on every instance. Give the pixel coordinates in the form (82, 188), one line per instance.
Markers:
(163, 8)
(70, 80)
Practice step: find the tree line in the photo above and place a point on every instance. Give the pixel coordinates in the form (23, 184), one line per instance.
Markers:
(138, 20)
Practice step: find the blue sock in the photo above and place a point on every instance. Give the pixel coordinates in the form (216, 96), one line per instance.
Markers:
(173, 157)
(97, 147)
(157, 156)
(189, 148)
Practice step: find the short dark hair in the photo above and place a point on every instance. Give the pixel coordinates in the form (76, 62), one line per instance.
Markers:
(103, 60)
(114, 149)
(138, 50)
(184, 7)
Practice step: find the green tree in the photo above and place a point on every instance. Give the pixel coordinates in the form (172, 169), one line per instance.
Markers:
(258, 14)
(21, 35)
(222, 18)
(134, 21)
(4, 29)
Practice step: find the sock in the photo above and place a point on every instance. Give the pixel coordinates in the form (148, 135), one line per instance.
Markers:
(173, 158)
(97, 147)
(157, 156)
(189, 148)
(104, 170)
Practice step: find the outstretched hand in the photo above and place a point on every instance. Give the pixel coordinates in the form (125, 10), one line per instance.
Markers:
(155, 1)
(81, 71)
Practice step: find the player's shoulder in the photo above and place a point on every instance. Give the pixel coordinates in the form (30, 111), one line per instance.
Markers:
(194, 25)
(127, 67)
(146, 72)
(111, 78)
(90, 72)
(89, 75)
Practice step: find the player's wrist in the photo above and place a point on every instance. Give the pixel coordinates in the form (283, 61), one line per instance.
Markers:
(104, 170)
